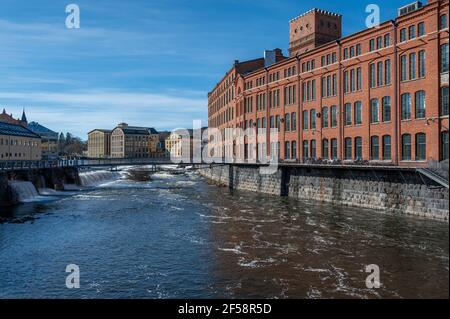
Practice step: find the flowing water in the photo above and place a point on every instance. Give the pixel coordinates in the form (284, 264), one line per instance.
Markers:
(23, 191)
(179, 237)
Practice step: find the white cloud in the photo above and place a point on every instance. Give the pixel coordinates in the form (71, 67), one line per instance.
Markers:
(79, 112)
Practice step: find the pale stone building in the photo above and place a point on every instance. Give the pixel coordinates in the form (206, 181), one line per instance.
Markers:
(18, 143)
(133, 141)
(99, 143)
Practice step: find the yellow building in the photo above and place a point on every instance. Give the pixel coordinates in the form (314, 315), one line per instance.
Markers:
(99, 143)
(133, 141)
(18, 143)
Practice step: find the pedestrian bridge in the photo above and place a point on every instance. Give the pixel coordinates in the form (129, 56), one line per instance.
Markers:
(83, 163)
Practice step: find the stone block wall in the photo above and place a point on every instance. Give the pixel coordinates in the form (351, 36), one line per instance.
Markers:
(393, 191)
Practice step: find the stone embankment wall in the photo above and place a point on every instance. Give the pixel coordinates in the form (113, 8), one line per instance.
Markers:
(395, 191)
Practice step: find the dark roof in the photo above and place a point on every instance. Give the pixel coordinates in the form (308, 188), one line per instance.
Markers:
(24, 117)
(16, 130)
(136, 130)
(40, 129)
(100, 130)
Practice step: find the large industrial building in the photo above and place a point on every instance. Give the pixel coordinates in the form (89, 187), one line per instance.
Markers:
(379, 95)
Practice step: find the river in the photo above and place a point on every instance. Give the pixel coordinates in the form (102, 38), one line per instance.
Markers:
(178, 236)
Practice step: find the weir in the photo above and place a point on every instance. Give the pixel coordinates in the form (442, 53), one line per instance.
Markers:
(23, 191)
(23, 185)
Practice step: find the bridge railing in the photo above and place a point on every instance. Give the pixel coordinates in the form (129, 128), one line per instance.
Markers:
(24, 165)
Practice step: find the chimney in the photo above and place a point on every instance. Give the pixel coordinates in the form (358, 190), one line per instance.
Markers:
(272, 56)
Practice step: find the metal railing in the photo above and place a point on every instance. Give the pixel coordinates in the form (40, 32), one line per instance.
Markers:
(25, 165)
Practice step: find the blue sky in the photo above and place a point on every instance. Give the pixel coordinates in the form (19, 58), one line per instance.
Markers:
(145, 62)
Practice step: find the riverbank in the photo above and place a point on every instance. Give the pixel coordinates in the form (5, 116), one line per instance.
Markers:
(390, 190)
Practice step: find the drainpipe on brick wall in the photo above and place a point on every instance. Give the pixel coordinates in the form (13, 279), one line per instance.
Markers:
(297, 126)
(267, 115)
(300, 115)
(341, 103)
(396, 96)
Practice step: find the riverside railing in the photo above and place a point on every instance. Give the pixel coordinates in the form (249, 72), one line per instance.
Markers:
(24, 165)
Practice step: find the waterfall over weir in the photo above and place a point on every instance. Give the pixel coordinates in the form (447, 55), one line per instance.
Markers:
(23, 191)
(98, 177)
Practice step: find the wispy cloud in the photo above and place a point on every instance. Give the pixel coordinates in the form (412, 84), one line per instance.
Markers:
(79, 112)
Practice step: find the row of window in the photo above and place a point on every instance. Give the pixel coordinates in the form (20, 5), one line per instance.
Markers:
(412, 66)
(380, 148)
(352, 51)
(353, 113)
(222, 87)
(328, 59)
(308, 65)
(353, 80)
(309, 90)
(412, 32)
(409, 68)
(420, 105)
(20, 155)
(329, 85)
(17, 142)
(222, 100)
(290, 71)
(260, 81)
(380, 42)
(275, 76)
(380, 73)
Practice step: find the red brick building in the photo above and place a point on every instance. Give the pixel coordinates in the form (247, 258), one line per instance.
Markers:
(379, 95)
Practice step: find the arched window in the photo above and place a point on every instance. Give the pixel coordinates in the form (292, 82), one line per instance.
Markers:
(294, 121)
(358, 148)
(374, 148)
(386, 109)
(386, 147)
(348, 148)
(443, 22)
(294, 150)
(305, 150)
(334, 148)
(358, 113)
(325, 152)
(287, 150)
(313, 149)
(312, 119)
(421, 147)
(348, 113)
(374, 111)
(406, 106)
(305, 120)
(334, 121)
(287, 122)
(406, 147)
(420, 104)
(444, 146)
(325, 117)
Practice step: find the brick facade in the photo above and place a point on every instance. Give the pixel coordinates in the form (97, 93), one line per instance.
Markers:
(379, 95)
